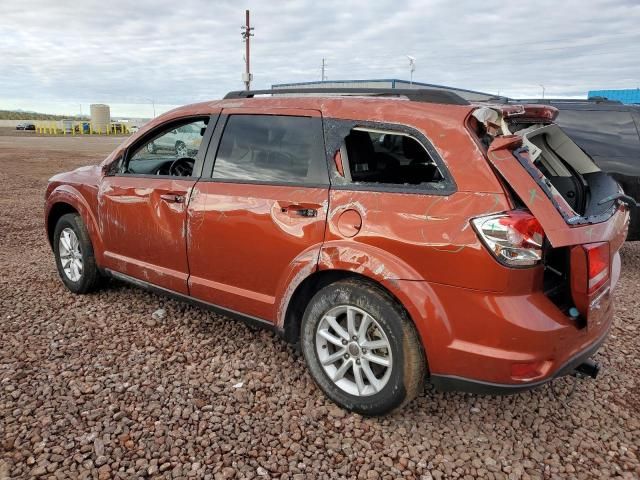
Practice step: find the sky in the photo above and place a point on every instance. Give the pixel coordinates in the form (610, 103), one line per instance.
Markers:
(60, 56)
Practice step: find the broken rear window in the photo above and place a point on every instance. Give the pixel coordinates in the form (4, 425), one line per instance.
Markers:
(384, 157)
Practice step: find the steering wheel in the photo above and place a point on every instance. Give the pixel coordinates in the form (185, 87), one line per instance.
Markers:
(182, 167)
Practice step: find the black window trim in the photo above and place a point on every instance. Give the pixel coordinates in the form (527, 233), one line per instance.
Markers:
(339, 182)
(157, 132)
(216, 140)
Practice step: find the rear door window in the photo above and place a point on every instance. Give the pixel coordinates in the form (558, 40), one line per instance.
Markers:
(384, 157)
(272, 149)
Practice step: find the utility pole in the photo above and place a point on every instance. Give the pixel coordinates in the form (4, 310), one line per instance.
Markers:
(246, 36)
(324, 64)
(543, 89)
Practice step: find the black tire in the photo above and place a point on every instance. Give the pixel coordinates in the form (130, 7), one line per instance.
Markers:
(408, 367)
(90, 276)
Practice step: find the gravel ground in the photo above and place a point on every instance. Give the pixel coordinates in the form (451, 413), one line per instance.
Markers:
(98, 386)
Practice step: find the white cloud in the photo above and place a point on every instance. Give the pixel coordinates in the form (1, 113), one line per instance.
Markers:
(123, 52)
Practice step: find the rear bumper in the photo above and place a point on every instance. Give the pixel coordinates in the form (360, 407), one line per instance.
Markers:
(498, 342)
(448, 383)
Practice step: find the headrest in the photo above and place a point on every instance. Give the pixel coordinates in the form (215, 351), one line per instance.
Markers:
(360, 151)
(412, 149)
(251, 136)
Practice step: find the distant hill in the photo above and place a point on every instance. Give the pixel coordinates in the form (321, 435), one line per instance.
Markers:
(13, 115)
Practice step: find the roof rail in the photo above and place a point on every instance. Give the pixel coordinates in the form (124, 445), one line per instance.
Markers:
(568, 100)
(425, 95)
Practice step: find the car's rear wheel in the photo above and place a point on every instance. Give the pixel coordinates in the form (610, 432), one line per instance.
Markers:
(361, 348)
(74, 254)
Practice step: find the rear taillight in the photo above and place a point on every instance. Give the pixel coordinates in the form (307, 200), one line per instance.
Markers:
(514, 238)
(598, 265)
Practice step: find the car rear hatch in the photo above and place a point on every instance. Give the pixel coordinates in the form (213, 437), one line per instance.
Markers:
(582, 210)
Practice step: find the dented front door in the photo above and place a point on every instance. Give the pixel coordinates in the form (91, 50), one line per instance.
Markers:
(142, 220)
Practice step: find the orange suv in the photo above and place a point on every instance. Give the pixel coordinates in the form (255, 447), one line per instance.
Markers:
(394, 236)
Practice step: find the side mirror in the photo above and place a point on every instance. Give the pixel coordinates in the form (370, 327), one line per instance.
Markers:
(111, 168)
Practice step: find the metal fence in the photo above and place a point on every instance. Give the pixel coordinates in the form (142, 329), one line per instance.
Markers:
(79, 127)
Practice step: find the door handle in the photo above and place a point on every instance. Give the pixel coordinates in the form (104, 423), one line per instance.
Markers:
(300, 211)
(306, 212)
(172, 198)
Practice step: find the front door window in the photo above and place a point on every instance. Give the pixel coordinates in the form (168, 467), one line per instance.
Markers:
(173, 152)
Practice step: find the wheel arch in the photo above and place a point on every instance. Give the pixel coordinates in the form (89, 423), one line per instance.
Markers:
(340, 260)
(320, 279)
(56, 211)
(66, 199)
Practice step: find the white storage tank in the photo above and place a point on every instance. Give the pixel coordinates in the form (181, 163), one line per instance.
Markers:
(100, 117)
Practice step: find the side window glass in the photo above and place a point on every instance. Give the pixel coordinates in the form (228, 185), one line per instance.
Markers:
(389, 158)
(172, 152)
(272, 149)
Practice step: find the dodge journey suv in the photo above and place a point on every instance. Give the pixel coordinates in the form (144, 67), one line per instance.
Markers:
(394, 236)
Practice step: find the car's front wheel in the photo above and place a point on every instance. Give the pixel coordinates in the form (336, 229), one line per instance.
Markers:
(74, 254)
(361, 348)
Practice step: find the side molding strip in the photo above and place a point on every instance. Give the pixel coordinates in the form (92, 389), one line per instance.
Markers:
(248, 319)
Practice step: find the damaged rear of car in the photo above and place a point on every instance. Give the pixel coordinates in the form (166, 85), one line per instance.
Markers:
(568, 217)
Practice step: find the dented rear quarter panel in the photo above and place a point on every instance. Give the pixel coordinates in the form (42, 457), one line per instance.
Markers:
(418, 234)
(414, 237)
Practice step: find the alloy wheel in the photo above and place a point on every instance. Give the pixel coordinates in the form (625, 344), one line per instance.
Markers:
(353, 350)
(70, 254)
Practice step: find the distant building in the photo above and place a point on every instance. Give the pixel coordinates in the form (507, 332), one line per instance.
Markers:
(470, 95)
(630, 95)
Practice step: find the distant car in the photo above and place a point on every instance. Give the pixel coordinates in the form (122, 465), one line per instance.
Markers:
(133, 128)
(25, 126)
(181, 141)
(609, 132)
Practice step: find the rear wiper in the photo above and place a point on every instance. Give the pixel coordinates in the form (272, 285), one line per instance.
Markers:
(621, 197)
